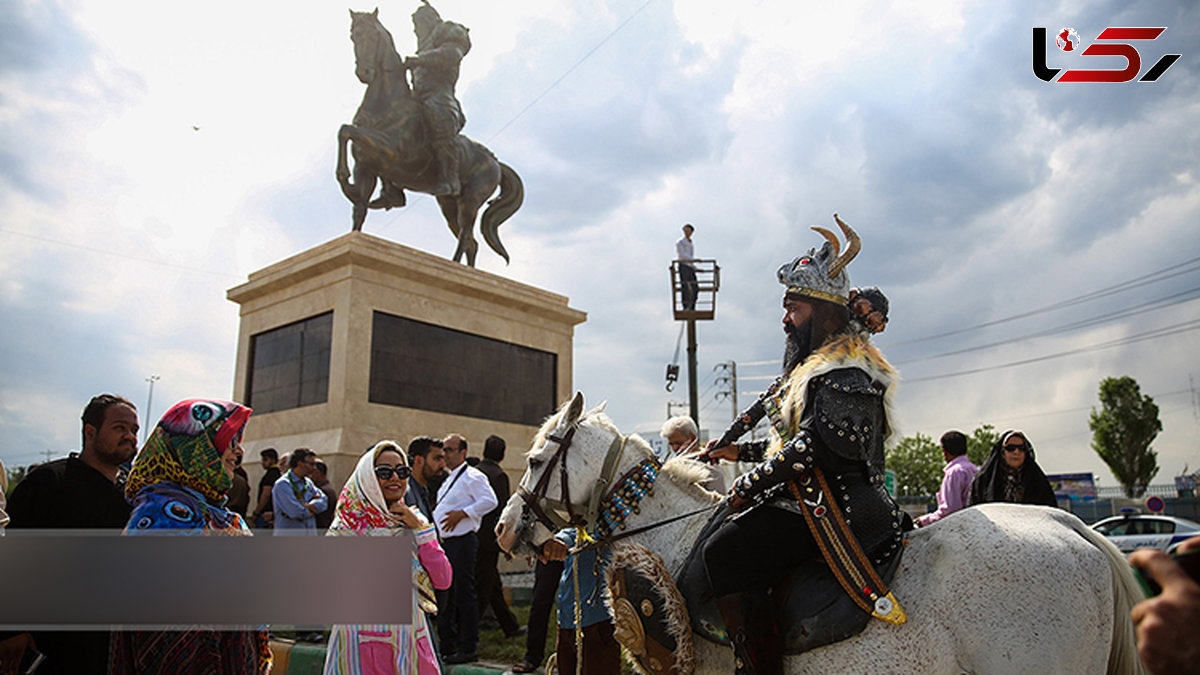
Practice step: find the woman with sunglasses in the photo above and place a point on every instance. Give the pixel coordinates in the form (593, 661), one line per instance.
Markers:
(1010, 474)
(372, 503)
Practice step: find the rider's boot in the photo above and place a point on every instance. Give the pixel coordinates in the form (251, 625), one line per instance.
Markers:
(447, 160)
(754, 631)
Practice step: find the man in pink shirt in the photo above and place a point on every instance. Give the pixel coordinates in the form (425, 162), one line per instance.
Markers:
(956, 483)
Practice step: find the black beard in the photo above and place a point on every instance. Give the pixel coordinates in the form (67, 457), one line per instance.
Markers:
(797, 347)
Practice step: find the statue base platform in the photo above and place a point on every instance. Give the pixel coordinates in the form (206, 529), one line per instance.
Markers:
(361, 339)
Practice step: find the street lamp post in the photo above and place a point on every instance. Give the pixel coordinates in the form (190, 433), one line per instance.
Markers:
(149, 399)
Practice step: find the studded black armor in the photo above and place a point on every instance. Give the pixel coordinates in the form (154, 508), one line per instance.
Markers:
(842, 431)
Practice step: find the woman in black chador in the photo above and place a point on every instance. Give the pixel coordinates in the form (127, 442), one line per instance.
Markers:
(1011, 474)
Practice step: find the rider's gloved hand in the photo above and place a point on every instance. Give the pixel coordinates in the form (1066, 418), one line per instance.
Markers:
(713, 454)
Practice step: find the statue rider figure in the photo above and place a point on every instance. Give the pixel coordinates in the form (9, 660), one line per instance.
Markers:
(441, 46)
(821, 470)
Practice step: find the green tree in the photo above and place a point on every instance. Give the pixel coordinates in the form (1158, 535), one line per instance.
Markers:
(980, 442)
(917, 461)
(15, 475)
(1122, 431)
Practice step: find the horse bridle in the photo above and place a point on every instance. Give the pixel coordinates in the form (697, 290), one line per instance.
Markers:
(534, 498)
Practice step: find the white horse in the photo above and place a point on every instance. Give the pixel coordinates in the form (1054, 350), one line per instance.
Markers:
(996, 588)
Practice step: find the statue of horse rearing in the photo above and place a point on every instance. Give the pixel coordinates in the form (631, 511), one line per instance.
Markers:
(390, 145)
(993, 588)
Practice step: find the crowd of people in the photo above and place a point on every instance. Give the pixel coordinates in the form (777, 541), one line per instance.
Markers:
(830, 419)
(187, 478)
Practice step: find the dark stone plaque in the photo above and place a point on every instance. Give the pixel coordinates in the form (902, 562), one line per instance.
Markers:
(427, 367)
(289, 365)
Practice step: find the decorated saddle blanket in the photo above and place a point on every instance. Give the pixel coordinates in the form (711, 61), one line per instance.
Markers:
(814, 610)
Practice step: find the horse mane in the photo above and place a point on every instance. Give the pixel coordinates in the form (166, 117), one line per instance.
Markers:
(691, 476)
(688, 474)
(549, 425)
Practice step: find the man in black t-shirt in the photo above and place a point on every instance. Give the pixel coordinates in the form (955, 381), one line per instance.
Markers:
(80, 492)
(264, 513)
(320, 478)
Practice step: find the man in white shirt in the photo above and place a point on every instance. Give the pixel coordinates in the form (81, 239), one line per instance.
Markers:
(462, 501)
(685, 253)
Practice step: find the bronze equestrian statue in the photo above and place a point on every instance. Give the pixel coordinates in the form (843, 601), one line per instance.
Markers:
(410, 140)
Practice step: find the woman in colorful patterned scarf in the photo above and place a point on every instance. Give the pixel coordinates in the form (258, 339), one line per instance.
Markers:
(178, 485)
(372, 503)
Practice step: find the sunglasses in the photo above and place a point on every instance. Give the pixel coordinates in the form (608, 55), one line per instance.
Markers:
(1014, 448)
(385, 472)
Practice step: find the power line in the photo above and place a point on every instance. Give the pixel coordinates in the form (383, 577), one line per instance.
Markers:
(90, 249)
(1131, 284)
(1149, 335)
(570, 70)
(547, 90)
(1101, 319)
(1064, 411)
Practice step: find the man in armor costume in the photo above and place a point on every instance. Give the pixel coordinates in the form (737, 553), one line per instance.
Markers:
(441, 46)
(829, 416)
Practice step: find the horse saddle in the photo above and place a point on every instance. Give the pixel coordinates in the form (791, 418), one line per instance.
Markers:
(813, 609)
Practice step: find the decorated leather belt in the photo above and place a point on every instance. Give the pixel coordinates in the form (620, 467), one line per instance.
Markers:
(841, 550)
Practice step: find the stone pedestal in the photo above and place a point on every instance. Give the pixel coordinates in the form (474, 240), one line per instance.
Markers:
(374, 340)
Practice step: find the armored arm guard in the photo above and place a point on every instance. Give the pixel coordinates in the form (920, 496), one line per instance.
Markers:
(749, 417)
(846, 414)
(795, 456)
(752, 451)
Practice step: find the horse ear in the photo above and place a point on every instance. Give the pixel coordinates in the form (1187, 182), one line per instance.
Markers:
(375, 14)
(575, 411)
(597, 410)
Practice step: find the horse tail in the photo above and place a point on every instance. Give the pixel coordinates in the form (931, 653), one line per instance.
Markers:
(1122, 654)
(501, 208)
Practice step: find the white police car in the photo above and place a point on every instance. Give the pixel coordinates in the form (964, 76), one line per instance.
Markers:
(1133, 531)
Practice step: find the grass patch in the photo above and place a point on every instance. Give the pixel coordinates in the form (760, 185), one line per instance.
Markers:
(494, 647)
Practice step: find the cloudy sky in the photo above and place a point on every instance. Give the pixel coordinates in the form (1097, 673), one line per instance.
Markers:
(152, 156)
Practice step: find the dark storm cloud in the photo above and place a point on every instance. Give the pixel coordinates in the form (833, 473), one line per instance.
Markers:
(40, 38)
(634, 111)
(45, 56)
(89, 355)
(1111, 105)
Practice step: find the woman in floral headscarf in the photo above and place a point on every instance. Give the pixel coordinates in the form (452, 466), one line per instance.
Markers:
(372, 503)
(178, 485)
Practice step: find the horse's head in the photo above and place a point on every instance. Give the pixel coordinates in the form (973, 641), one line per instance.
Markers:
(517, 531)
(560, 484)
(374, 50)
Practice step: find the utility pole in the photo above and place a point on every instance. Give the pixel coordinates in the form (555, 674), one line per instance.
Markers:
(701, 279)
(729, 384)
(1195, 398)
(147, 419)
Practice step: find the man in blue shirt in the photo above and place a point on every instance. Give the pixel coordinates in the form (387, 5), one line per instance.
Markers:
(601, 652)
(297, 500)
